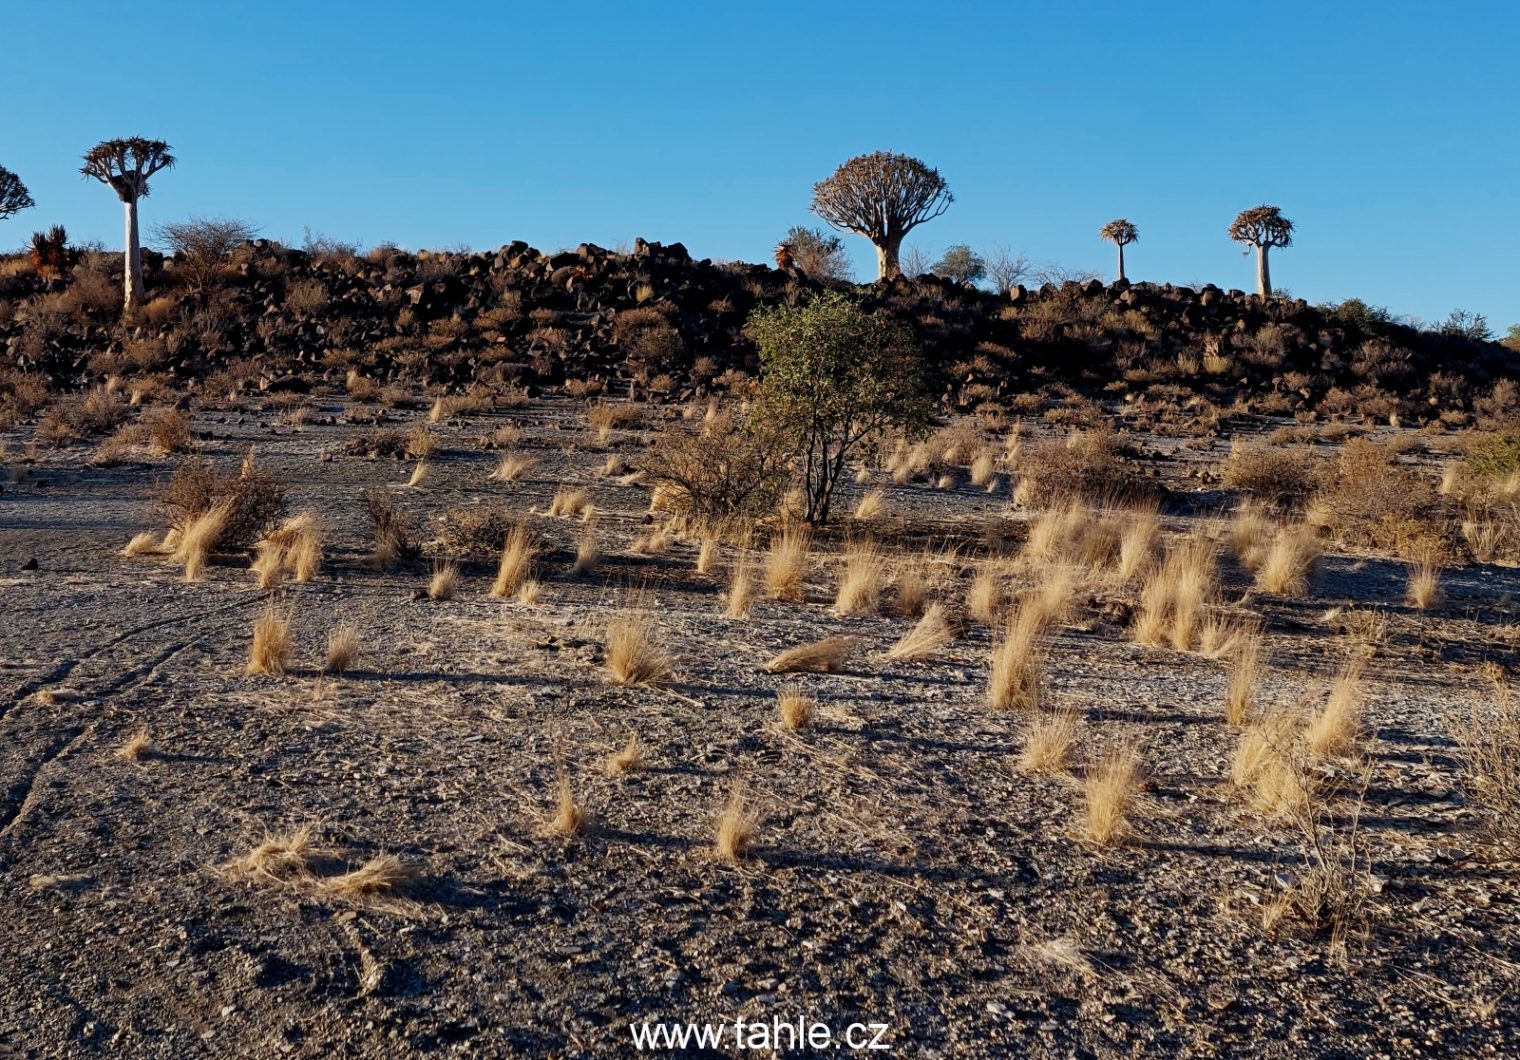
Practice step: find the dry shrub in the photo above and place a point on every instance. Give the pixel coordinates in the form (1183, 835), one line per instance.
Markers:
(1089, 464)
(824, 656)
(1370, 500)
(1337, 728)
(786, 564)
(860, 582)
(137, 747)
(1048, 741)
(605, 417)
(1488, 736)
(445, 581)
(737, 824)
(795, 707)
(633, 655)
(421, 443)
(393, 532)
(1272, 474)
(740, 597)
(1108, 790)
(269, 652)
(731, 469)
(1016, 679)
(1288, 563)
(516, 561)
(931, 633)
(254, 500)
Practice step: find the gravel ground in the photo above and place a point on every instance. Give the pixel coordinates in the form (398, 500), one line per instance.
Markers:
(906, 873)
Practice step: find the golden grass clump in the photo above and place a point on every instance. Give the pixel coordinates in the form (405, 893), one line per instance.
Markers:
(707, 556)
(795, 707)
(383, 875)
(516, 561)
(1016, 678)
(824, 656)
(985, 598)
(269, 653)
(983, 469)
(734, 835)
(1250, 533)
(569, 502)
(1286, 565)
(138, 747)
(342, 648)
(1137, 544)
(587, 551)
(910, 589)
(445, 581)
(143, 544)
(924, 641)
(1172, 603)
(199, 538)
(872, 507)
(630, 759)
(1108, 790)
(570, 817)
(1048, 742)
(1268, 765)
(1336, 729)
(419, 475)
(294, 547)
(860, 582)
(633, 655)
(1423, 589)
(510, 467)
(786, 564)
(529, 592)
(1245, 663)
(280, 860)
(740, 598)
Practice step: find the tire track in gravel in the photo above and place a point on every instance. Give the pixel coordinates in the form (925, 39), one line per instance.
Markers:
(64, 669)
(21, 796)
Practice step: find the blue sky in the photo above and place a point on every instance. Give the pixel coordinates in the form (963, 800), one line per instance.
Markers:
(1386, 131)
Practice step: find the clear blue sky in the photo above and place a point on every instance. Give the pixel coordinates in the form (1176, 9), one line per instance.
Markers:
(1386, 130)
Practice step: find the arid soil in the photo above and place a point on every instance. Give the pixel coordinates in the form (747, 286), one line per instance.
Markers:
(905, 871)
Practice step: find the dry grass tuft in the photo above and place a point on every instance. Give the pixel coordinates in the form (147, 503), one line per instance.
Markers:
(925, 639)
(516, 561)
(860, 583)
(143, 544)
(1285, 567)
(280, 860)
(629, 760)
(199, 538)
(570, 816)
(633, 656)
(741, 588)
(1423, 589)
(985, 598)
(824, 656)
(511, 467)
(137, 748)
(1048, 742)
(872, 507)
(530, 592)
(1108, 790)
(795, 707)
(445, 581)
(419, 475)
(737, 824)
(1268, 765)
(382, 876)
(1016, 679)
(270, 651)
(786, 564)
(569, 503)
(587, 551)
(342, 648)
(910, 588)
(707, 556)
(1245, 663)
(1173, 600)
(1137, 544)
(1336, 729)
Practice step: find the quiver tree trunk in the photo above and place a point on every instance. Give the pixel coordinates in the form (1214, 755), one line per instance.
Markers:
(1121, 262)
(887, 251)
(132, 281)
(1263, 273)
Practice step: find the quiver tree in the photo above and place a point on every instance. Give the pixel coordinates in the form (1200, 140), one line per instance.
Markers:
(125, 165)
(882, 196)
(13, 194)
(831, 376)
(1262, 227)
(1120, 233)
